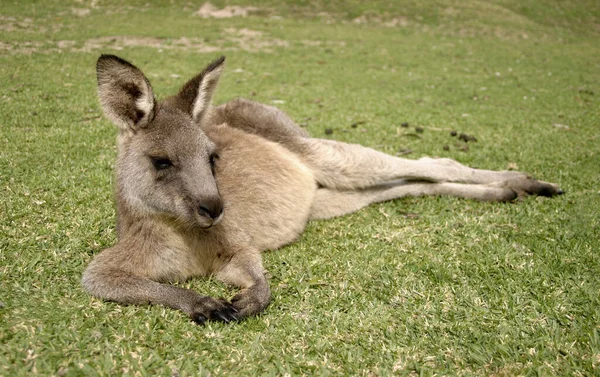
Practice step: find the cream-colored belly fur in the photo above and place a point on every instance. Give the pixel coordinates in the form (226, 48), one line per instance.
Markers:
(268, 191)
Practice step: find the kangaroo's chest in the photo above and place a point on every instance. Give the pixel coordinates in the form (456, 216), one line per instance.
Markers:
(267, 190)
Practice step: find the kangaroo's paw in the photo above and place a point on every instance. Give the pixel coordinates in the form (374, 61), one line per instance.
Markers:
(251, 301)
(208, 308)
(524, 186)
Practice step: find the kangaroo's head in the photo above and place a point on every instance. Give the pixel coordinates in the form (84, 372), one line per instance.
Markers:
(165, 161)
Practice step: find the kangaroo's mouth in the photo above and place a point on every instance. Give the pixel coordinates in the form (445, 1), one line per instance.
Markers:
(206, 222)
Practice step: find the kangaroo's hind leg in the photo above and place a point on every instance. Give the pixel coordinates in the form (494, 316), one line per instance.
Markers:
(343, 166)
(330, 203)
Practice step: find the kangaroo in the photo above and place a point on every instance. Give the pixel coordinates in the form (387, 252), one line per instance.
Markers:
(203, 190)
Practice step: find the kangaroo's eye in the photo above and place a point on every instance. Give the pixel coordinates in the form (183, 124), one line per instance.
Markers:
(161, 163)
(213, 158)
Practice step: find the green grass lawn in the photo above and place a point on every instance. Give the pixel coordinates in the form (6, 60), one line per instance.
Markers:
(419, 286)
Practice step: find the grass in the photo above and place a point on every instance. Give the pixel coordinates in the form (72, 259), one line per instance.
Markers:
(427, 286)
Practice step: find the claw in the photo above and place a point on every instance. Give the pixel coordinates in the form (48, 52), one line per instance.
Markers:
(221, 317)
(231, 313)
(199, 318)
(227, 317)
(225, 314)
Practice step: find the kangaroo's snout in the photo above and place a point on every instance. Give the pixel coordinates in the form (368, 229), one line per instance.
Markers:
(212, 208)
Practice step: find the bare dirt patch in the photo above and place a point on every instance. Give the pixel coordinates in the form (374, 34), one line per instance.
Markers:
(386, 21)
(120, 42)
(24, 25)
(65, 44)
(253, 41)
(232, 40)
(27, 25)
(26, 48)
(207, 10)
(81, 12)
(5, 46)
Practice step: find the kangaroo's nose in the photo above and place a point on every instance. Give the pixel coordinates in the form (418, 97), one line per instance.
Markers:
(211, 208)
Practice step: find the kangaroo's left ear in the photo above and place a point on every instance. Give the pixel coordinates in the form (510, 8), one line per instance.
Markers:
(196, 95)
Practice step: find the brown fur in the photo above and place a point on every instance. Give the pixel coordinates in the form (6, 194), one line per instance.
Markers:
(202, 191)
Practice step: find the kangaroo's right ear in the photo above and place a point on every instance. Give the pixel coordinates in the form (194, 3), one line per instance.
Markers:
(125, 93)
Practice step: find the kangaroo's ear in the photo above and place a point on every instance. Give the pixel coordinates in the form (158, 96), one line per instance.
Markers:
(196, 95)
(125, 93)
